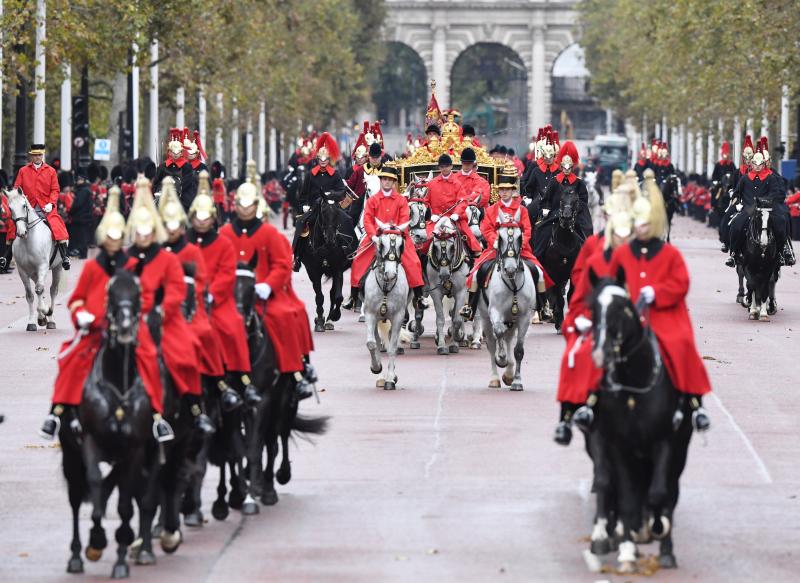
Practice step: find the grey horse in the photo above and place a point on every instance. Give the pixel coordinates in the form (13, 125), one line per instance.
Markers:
(385, 299)
(447, 272)
(506, 305)
(35, 254)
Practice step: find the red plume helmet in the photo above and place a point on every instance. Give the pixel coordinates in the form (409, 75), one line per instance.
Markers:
(726, 148)
(556, 141)
(748, 143)
(568, 148)
(328, 144)
(376, 131)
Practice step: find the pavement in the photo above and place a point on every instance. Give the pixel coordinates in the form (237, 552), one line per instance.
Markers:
(445, 479)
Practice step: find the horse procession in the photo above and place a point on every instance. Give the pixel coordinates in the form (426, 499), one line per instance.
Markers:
(191, 346)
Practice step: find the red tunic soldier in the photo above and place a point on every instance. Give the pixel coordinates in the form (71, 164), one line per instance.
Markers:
(39, 183)
(388, 208)
(446, 197)
(284, 314)
(87, 305)
(476, 187)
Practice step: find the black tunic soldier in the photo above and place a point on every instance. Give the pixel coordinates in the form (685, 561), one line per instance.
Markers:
(173, 165)
(539, 179)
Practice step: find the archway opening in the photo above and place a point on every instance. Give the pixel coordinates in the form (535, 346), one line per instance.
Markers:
(399, 97)
(577, 115)
(488, 85)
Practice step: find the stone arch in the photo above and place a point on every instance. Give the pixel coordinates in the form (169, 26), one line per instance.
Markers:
(491, 68)
(401, 96)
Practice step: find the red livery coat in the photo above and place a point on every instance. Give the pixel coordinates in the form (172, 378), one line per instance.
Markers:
(446, 197)
(664, 269)
(475, 188)
(179, 344)
(489, 226)
(211, 350)
(284, 313)
(75, 363)
(578, 373)
(220, 259)
(40, 186)
(793, 202)
(391, 210)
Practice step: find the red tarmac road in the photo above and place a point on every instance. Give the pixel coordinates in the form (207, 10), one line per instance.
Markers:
(446, 480)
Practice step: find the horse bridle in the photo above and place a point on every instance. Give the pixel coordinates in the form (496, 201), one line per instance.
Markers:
(391, 254)
(751, 231)
(26, 210)
(511, 252)
(249, 313)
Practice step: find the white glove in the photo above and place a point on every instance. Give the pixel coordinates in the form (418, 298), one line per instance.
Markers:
(84, 319)
(306, 208)
(209, 298)
(583, 324)
(263, 291)
(545, 212)
(648, 294)
(739, 207)
(435, 218)
(454, 217)
(376, 239)
(48, 207)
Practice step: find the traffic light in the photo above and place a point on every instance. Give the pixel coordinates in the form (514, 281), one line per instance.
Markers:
(125, 138)
(80, 117)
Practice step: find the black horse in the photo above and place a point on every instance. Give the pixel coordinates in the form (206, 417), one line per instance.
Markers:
(116, 427)
(720, 200)
(671, 191)
(275, 416)
(329, 254)
(760, 264)
(561, 247)
(644, 423)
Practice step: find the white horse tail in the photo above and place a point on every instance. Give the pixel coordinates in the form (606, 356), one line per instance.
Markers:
(384, 327)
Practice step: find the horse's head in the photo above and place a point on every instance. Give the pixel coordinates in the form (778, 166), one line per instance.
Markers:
(390, 250)
(244, 290)
(373, 184)
(19, 208)
(329, 216)
(446, 252)
(123, 308)
(760, 223)
(614, 317)
(509, 243)
(473, 215)
(189, 305)
(568, 207)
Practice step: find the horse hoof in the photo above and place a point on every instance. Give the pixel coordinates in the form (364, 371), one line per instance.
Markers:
(740, 299)
(145, 558)
(269, 498)
(171, 542)
(600, 547)
(753, 316)
(193, 519)
(414, 345)
(494, 384)
(379, 383)
(442, 351)
(329, 325)
(282, 476)
(51, 325)
(235, 500)
(42, 321)
(31, 328)
(121, 571)
(361, 319)
(376, 370)
(453, 349)
(667, 561)
(319, 328)
(75, 565)
(389, 386)
(219, 510)
(516, 386)
(94, 554)
(627, 567)
(400, 350)
(250, 509)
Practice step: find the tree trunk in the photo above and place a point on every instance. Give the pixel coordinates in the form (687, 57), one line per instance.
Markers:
(120, 94)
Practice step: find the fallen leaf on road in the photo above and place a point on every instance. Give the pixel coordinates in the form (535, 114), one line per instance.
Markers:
(401, 558)
(706, 357)
(23, 555)
(433, 551)
(41, 348)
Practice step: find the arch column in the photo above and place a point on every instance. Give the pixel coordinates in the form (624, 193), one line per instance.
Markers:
(537, 105)
(439, 59)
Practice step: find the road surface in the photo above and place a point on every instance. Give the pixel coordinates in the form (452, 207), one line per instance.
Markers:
(445, 479)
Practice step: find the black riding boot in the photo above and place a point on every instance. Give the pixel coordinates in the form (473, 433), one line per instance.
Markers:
(700, 418)
(352, 301)
(469, 310)
(584, 415)
(788, 254)
(201, 420)
(64, 252)
(162, 430)
(417, 291)
(229, 398)
(251, 396)
(563, 434)
(52, 423)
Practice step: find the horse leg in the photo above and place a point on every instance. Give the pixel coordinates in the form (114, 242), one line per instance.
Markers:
(394, 339)
(270, 496)
(76, 483)
(438, 304)
(740, 293)
(519, 351)
(124, 533)
(335, 312)
(41, 302)
(147, 497)
(237, 494)
(55, 280)
(628, 501)
(558, 311)
(319, 298)
(219, 509)
(29, 297)
(499, 332)
(94, 479)
(194, 516)
(372, 342)
(477, 332)
(284, 473)
(491, 346)
(419, 314)
(459, 332)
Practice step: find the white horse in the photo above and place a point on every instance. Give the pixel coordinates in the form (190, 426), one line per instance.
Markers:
(385, 300)
(416, 193)
(35, 253)
(447, 282)
(473, 215)
(508, 301)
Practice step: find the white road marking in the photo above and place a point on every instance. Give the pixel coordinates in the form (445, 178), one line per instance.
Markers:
(762, 467)
(437, 442)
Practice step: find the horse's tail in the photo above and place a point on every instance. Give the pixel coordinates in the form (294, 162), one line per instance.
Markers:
(310, 425)
(384, 327)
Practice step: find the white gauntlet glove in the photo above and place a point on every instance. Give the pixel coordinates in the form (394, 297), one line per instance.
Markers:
(648, 294)
(48, 207)
(306, 208)
(263, 291)
(454, 217)
(545, 212)
(209, 299)
(376, 239)
(583, 324)
(435, 218)
(84, 319)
